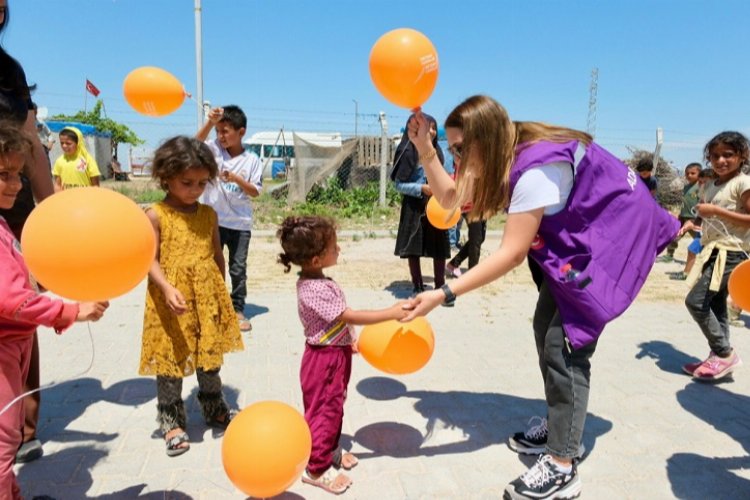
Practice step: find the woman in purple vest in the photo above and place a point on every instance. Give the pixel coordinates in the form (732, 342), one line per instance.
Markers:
(576, 210)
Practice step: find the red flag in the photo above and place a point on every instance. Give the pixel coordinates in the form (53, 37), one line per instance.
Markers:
(92, 88)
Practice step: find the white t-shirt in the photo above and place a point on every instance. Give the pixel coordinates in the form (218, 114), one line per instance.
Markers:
(546, 186)
(232, 204)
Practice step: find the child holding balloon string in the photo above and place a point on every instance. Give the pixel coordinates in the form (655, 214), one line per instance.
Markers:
(22, 309)
(725, 210)
(189, 322)
(310, 242)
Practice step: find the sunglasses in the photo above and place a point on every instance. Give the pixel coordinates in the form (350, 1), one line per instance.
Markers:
(455, 150)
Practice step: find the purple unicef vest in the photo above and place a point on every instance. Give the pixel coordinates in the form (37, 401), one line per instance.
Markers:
(597, 252)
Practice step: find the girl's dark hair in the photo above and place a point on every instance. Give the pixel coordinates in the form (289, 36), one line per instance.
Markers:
(304, 237)
(735, 140)
(706, 173)
(69, 134)
(181, 153)
(12, 139)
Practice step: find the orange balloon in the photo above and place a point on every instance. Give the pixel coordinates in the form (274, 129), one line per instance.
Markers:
(152, 91)
(88, 244)
(440, 217)
(739, 285)
(266, 448)
(397, 348)
(404, 67)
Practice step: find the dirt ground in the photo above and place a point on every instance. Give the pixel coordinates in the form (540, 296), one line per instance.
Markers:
(367, 262)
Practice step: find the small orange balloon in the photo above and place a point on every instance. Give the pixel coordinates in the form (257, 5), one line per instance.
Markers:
(266, 448)
(152, 91)
(739, 285)
(404, 67)
(88, 244)
(397, 348)
(440, 217)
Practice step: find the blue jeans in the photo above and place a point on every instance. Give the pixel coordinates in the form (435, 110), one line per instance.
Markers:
(238, 243)
(566, 373)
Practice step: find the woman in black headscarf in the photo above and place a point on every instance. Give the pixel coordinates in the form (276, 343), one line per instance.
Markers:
(416, 236)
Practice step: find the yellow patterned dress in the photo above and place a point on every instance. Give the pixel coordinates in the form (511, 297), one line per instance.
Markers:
(175, 345)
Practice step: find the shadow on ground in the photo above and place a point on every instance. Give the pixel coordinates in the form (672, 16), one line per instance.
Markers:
(477, 420)
(44, 478)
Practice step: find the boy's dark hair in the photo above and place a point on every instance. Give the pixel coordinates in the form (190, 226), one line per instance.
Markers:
(706, 173)
(234, 116)
(644, 165)
(181, 153)
(695, 164)
(12, 140)
(69, 134)
(735, 140)
(304, 237)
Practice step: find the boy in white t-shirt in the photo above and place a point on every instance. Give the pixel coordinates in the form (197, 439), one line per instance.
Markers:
(240, 178)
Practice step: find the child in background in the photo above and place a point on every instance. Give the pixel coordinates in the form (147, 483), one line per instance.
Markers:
(22, 309)
(695, 246)
(310, 242)
(240, 178)
(689, 200)
(189, 322)
(76, 167)
(725, 210)
(645, 169)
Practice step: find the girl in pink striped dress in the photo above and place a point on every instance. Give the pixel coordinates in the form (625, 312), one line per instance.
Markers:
(310, 242)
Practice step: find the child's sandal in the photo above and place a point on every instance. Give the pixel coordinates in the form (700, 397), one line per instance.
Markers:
(327, 481)
(338, 459)
(222, 424)
(175, 444)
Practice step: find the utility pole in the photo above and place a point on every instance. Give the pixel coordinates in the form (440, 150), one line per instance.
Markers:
(199, 62)
(356, 116)
(383, 155)
(593, 88)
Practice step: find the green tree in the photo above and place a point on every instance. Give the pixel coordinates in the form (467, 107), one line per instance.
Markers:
(121, 134)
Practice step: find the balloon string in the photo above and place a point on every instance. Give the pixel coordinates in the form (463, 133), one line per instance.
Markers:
(725, 231)
(53, 384)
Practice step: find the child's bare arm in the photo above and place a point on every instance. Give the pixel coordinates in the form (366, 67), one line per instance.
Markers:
(396, 311)
(213, 118)
(174, 298)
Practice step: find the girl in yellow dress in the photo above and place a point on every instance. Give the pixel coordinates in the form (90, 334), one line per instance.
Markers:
(189, 321)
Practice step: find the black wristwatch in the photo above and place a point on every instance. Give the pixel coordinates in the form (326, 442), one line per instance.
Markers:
(449, 295)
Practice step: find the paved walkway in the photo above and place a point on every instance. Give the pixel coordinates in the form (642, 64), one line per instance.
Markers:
(439, 433)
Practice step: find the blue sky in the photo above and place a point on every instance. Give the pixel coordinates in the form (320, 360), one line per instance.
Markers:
(679, 65)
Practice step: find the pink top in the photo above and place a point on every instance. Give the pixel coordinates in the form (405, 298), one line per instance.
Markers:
(22, 308)
(320, 302)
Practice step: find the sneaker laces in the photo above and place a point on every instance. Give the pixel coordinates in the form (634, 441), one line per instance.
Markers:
(540, 473)
(536, 431)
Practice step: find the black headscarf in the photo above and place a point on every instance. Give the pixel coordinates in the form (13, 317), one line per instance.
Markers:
(406, 159)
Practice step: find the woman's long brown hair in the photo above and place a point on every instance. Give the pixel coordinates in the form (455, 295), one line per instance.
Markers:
(490, 139)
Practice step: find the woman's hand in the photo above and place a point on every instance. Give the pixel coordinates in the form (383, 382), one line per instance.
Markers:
(423, 304)
(418, 129)
(426, 190)
(91, 311)
(175, 300)
(688, 226)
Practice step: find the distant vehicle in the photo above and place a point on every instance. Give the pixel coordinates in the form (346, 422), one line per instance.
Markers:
(276, 148)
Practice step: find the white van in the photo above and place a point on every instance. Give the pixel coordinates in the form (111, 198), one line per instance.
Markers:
(276, 148)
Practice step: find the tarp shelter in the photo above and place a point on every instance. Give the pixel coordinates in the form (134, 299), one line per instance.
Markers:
(98, 142)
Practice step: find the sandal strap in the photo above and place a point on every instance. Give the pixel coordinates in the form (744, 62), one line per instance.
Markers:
(177, 440)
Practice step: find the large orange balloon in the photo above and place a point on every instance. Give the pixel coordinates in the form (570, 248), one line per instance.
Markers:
(265, 448)
(739, 285)
(152, 91)
(88, 244)
(440, 217)
(397, 348)
(404, 67)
